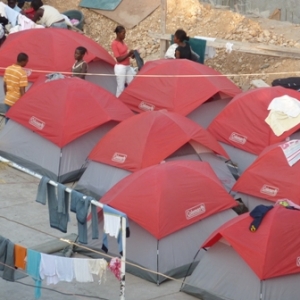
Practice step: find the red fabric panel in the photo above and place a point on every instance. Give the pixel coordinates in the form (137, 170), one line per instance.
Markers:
(148, 138)
(242, 122)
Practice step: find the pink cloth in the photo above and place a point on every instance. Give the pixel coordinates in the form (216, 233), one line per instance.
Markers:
(115, 267)
(120, 49)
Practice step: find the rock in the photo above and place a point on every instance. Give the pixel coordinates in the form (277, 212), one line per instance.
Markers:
(265, 66)
(266, 33)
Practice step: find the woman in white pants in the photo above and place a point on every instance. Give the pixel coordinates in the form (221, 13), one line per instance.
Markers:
(123, 71)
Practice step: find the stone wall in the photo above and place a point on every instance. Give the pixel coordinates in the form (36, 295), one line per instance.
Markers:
(289, 8)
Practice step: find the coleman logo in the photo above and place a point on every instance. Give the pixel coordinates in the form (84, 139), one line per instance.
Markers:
(238, 138)
(146, 106)
(195, 211)
(119, 158)
(269, 190)
(36, 123)
(298, 261)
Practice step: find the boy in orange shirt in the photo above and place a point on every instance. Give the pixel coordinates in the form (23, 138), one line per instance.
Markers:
(15, 82)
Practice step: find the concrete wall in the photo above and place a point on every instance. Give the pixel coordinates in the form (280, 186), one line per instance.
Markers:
(289, 8)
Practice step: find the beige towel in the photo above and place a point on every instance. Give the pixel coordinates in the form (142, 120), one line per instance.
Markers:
(280, 122)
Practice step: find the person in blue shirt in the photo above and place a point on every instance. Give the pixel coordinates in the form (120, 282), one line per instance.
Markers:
(13, 4)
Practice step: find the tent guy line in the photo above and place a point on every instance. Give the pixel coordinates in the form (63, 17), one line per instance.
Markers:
(166, 76)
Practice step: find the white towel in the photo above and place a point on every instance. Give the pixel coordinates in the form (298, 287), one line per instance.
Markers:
(2, 9)
(82, 270)
(64, 268)
(47, 269)
(98, 267)
(11, 15)
(287, 105)
(112, 224)
(280, 122)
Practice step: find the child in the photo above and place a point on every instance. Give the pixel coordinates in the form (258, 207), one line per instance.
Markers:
(79, 68)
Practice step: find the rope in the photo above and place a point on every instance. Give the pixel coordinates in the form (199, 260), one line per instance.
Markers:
(168, 76)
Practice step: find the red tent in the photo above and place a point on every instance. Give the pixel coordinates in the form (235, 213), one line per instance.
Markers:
(270, 176)
(150, 91)
(242, 122)
(271, 251)
(150, 137)
(50, 50)
(168, 197)
(63, 110)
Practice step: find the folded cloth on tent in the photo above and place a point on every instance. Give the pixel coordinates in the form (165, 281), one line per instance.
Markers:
(58, 206)
(286, 104)
(280, 122)
(100, 4)
(33, 270)
(7, 259)
(258, 213)
(109, 228)
(80, 205)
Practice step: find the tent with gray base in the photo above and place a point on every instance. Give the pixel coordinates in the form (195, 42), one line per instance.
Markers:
(242, 264)
(132, 145)
(172, 208)
(54, 126)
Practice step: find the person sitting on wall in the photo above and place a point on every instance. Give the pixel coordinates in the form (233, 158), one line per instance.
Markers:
(184, 49)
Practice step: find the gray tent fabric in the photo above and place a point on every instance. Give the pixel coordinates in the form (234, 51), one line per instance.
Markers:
(239, 157)
(172, 255)
(206, 112)
(251, 201)
(217, 163)
(223, 275)
(98, 178)
(107, 81)
(32, 151)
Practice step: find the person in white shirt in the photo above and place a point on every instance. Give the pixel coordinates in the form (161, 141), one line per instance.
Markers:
(48, 15)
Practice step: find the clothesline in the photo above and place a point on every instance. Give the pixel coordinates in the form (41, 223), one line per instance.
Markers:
(95, 203)
(90, 249)
(167, 76)
(51, 268)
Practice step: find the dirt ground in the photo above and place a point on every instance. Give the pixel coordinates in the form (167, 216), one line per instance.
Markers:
(198, 19)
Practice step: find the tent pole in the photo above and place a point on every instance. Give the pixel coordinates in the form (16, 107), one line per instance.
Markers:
(123, 260)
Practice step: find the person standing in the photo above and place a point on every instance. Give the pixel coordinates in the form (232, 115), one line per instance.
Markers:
(79, 68)
(184, 49)
(14, 82)
(123, 71)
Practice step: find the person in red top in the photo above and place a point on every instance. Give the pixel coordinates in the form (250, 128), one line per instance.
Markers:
(123, 71)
